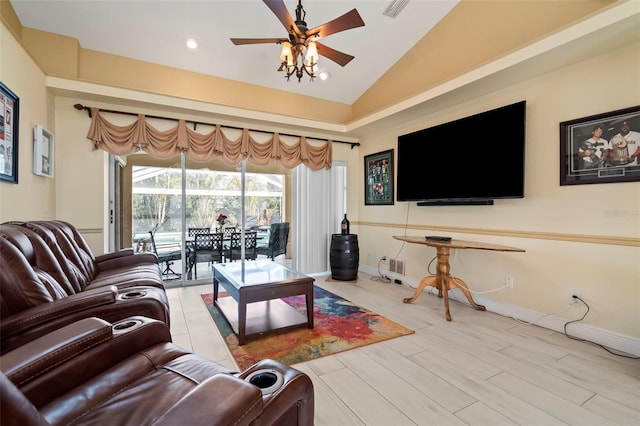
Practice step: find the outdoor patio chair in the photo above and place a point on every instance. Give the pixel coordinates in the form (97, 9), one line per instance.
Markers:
(228, 231)
(235, 246)
(278, 236)
(167, 253)
(207, 248)
(193, 231)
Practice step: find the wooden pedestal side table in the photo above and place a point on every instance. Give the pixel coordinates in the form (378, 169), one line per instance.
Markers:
(443, 280)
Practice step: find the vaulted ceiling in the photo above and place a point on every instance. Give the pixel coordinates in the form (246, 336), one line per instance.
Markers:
(426, 46)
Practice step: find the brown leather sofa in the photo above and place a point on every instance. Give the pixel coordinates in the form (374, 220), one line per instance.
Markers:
(121, 268)
(129, 373)
(49, 278)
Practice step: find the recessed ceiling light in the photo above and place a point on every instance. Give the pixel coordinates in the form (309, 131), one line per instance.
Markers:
(324, 75)
(192, 43)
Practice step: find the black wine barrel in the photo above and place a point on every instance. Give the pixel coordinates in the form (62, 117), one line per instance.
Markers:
(344, 257)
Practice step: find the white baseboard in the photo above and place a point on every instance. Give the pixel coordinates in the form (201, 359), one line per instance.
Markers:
(610, 339)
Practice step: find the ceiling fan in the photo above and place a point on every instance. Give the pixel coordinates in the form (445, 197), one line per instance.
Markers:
(303, 41)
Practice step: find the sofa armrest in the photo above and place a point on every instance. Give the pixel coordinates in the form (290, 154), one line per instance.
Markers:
(114, 255)
(29, 360)
(229, 400)
(133, 260)
(47, 312)
(78, 352)
(292, 402)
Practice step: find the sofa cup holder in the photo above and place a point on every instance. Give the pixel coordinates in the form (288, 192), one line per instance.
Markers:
(267, 380)
(136, 294)
(125, 325)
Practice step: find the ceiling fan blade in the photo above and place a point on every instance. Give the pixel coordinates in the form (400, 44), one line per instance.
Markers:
(280, 10)
(347, 21)
(336, 56)
(239, 41)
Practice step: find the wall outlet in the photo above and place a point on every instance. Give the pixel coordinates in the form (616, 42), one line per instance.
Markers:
(508, 282)
(573, 298)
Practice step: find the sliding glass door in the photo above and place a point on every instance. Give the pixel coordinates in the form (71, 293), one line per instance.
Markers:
(171, 198)
(153, 199)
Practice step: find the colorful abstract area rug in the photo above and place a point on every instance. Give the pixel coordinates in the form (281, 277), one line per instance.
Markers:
(339, 325)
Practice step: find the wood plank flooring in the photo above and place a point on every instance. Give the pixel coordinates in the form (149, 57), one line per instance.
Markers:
(479, 369)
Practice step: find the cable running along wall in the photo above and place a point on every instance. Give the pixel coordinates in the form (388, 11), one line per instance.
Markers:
(140, 135)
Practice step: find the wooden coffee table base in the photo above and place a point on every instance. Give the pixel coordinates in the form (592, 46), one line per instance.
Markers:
(262, 318)
(255, 288)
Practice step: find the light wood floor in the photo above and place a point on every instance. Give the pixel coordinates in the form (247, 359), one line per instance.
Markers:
(479, 369)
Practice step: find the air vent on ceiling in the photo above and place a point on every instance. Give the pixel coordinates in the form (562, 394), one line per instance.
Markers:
(395, 8)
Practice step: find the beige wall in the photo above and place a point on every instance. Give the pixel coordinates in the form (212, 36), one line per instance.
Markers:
(81, 175)
(602, 218)
(34, 196)
(576, 236)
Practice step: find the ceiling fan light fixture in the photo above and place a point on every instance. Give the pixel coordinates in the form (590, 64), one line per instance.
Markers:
(299, 54)
(286, 54)
(300, 59)
(312, 53)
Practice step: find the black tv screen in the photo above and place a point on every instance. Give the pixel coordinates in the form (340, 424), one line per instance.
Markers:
(472, 160)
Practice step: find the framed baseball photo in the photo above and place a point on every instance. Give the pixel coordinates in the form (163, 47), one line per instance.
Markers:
(602, 148)
(378, 178)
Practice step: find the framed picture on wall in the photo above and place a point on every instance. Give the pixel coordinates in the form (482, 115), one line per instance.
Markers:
(378, 178)
(9, 119)
(602, 148)
(42, 151)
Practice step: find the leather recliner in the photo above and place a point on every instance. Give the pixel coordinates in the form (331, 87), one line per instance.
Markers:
(42, 289)
(129, 373)
(121, 268)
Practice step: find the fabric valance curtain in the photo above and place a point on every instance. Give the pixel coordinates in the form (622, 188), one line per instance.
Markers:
(140, 135)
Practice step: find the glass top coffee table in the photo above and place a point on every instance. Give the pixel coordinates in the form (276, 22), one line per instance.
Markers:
(255, 288)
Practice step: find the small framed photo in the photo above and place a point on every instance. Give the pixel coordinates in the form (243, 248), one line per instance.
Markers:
(602, 148)
(378, 178)
(42, 151)
(9, 120)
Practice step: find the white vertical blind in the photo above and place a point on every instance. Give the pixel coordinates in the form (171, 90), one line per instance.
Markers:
(319, 202)
(338, 201)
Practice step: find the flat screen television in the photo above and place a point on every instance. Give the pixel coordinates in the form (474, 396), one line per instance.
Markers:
(472, 160)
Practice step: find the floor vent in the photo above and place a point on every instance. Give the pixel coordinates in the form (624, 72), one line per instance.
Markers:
(396, 266)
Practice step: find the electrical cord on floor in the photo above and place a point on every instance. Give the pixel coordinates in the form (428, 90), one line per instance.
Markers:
(462, 283)
(381, 277)
(406, 224)
(543, 316)
(589, 341)
(546, 315)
